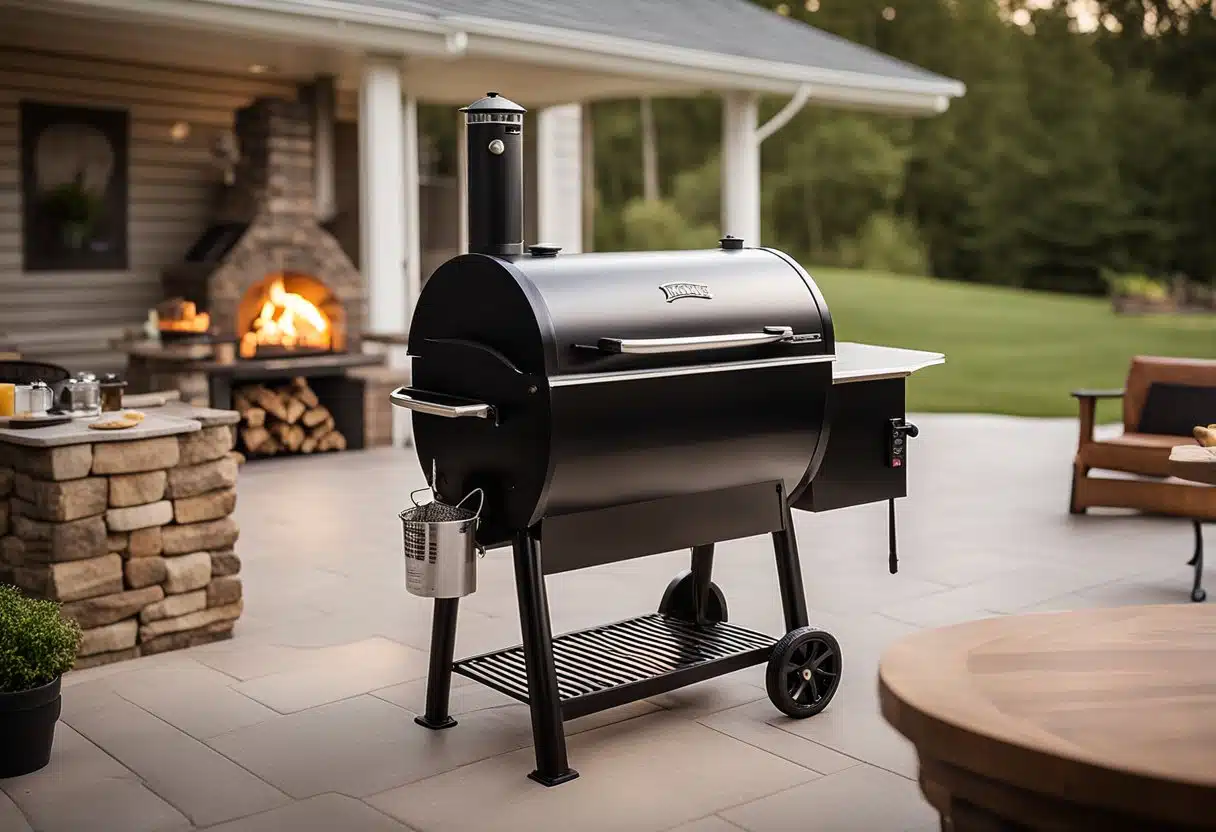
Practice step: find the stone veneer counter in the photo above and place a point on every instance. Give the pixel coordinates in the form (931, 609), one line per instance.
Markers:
(130, 530)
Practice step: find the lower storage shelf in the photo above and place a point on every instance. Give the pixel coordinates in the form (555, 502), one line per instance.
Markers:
(610, 665)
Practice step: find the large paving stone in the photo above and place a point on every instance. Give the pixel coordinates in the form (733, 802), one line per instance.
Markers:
(117, 542)
(106, 609)
(205, 445)
(200, 537)
(185, 573)
(142, 572)
(210, 506)
(139, 517)
(192, 480)
(137, 489)
(134, 457)
(67, 462)
(56, 542)
(120, 636)
(62, 500)
(174, 606)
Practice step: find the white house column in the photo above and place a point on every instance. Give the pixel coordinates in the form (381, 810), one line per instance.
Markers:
(412, 207)
(740, 167)
(382, 209)
(559, 177)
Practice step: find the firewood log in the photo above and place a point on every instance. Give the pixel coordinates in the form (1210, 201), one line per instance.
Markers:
(254, 438)
(255, 417)
(269, 401)
(314, 416)
(332, 441)
(322, 429)
(304, 393)
(240, 400)
(270, 447)
(308, 445)
(295, 409)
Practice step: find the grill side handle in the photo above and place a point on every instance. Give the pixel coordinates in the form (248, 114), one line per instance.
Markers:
(695, 343)
(439, 404)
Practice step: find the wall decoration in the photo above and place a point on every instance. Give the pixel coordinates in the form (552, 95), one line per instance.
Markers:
(74, 187)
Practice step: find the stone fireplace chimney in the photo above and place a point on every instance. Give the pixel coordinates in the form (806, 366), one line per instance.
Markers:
(265, 227)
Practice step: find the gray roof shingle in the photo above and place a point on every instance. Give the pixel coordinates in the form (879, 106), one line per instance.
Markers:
(736, 28)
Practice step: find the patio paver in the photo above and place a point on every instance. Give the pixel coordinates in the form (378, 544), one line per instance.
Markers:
(305, 719)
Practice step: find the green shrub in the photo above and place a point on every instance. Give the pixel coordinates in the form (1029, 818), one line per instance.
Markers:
(886, 243)
(659, 226)
(37, 644)
(1135, 286)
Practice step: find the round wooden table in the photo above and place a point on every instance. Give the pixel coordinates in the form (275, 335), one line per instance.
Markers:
(1087, 720)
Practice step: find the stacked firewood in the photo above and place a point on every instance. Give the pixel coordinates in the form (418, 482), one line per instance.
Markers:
(285, 419)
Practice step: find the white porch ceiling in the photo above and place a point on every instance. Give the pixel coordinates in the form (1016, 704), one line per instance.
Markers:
(66, 27)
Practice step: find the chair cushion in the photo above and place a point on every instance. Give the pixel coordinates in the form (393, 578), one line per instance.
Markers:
(1146, 370)
(1136, 453)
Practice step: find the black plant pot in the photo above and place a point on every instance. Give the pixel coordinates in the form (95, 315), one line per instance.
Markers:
(27, 728)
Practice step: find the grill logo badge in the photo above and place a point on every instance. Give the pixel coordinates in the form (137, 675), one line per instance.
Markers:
(675, 291)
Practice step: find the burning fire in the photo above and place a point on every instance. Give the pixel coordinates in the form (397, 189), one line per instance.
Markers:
(183, 316)
(286, 320)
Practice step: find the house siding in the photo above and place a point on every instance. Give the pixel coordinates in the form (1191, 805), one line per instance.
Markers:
(70, 317)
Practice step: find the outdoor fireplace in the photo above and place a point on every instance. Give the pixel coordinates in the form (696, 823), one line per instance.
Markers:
(265, 313)
(266, 275)
(289, 314)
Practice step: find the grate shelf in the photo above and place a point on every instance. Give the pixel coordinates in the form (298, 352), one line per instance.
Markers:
(606, 666)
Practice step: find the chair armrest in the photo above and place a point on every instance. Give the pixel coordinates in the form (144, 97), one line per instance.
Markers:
(1097, 394)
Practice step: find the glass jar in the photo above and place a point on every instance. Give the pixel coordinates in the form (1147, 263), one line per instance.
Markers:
(111, 392)
(81, 395)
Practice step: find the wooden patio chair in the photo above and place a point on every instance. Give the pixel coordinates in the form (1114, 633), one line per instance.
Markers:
(1163, 400)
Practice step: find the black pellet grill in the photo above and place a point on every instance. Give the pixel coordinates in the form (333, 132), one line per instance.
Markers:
(613, 406)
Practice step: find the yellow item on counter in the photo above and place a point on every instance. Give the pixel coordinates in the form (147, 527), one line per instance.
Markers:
(1205, 436)
(8, 399)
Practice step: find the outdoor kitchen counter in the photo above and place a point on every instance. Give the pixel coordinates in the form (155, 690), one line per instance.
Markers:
(131, 530)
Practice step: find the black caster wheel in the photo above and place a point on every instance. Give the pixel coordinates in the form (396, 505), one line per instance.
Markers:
(1199, 595)
(680, 602)
(803, 672)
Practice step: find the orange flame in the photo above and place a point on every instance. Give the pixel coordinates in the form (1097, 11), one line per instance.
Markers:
(286, 320)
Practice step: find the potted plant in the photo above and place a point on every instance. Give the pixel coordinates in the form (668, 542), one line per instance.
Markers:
(76, 209)
(37, 646)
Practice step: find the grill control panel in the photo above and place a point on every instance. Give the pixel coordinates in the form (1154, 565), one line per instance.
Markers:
(897, 442)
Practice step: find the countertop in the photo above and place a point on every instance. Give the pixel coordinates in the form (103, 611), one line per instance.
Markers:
(78, 432)
(867, 362)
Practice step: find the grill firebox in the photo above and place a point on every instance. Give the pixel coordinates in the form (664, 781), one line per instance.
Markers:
(612, 406)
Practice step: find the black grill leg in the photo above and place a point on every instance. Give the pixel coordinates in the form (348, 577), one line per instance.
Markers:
(1197, 591)
(548, 737)
(702, 576)
(439, 677)
(789, 572)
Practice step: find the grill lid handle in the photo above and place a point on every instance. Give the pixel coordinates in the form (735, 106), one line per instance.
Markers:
(662, 346)
(439, 404)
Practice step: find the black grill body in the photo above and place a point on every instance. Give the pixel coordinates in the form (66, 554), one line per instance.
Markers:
(578, 426)
(611, 406)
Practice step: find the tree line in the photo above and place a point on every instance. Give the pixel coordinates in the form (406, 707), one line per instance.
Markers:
(1079, 151)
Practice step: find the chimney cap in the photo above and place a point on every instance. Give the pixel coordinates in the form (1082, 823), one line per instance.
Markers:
(493, 103)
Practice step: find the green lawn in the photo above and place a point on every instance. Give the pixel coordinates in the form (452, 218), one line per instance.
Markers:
(1007, 350)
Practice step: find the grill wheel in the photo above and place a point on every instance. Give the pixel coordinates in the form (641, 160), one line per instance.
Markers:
(679, 600)
(803, 672)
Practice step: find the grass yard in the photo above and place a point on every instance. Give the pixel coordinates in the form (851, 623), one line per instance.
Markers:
(1007, 350)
